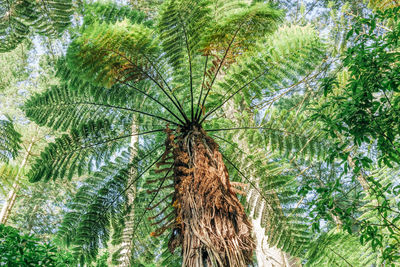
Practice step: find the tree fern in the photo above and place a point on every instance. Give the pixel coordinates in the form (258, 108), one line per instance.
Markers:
(177, 71)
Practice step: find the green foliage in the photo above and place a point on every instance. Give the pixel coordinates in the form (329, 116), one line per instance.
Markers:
(27, 250)
(13, 66)
(98, 206)
(8, 173)
(113, 52)
(201, 55)
(383, 4)
(368, 214)
(20, 18)
(291, 52)
(379, 221)
(366, 109)
(111, 13)
(338, 248)
(10, 140)
(81, 150)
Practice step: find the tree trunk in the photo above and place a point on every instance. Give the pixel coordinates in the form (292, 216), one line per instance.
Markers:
(266, 255)
(12, 195)
(209, 223)
(125, 248)
(269, 256)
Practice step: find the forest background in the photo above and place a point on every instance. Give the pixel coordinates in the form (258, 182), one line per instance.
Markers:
(304, 109)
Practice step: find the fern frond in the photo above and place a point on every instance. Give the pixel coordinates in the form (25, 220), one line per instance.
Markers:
(120, 53)
(8, 173)
(286, 56)
(83, 149)
(53, 16)
(270, 197)
(181, 26)
(10, 140)
(111, 12)
(286, 133)
(238, 29)
(99, 205)
(113, 52)
(383, 4)
(63, 107)
(337, 248)
(19, 18)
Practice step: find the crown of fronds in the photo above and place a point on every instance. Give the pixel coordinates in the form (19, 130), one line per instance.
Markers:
(200, 57)
(19, 18)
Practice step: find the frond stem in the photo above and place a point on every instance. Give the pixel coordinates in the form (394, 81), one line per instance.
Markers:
(190, 65)
(176, 104)
(220, 65)
(247, 128)
(237, 91)
(121, 108)
(115, 139)
(154, 197)
(201, 89)
(154, 99)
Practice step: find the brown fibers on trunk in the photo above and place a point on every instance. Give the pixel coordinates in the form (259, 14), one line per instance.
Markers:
(210, 224)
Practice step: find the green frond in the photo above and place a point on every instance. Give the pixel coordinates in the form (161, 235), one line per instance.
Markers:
(291, 52)
(53, 16)
(111, 12)
(108, 53)
(287, 134)
(292, 135)
(19, 18)
(8, 173)
(337, 248)
(239, 29)
(83, 149)
(64, 107)
(10, 140)
(383, 4)
(99, 207)
(98, 202)
(181, 26)
(271, 197)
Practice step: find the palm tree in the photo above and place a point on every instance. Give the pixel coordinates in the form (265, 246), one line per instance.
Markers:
(200, 57)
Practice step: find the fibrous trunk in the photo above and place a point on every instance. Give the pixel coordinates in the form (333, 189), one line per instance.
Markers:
(210, 224)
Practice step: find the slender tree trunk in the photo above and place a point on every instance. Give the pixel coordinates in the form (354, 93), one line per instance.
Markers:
(12, 195)
(31, 218)
(126, 247)
(267, 256)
